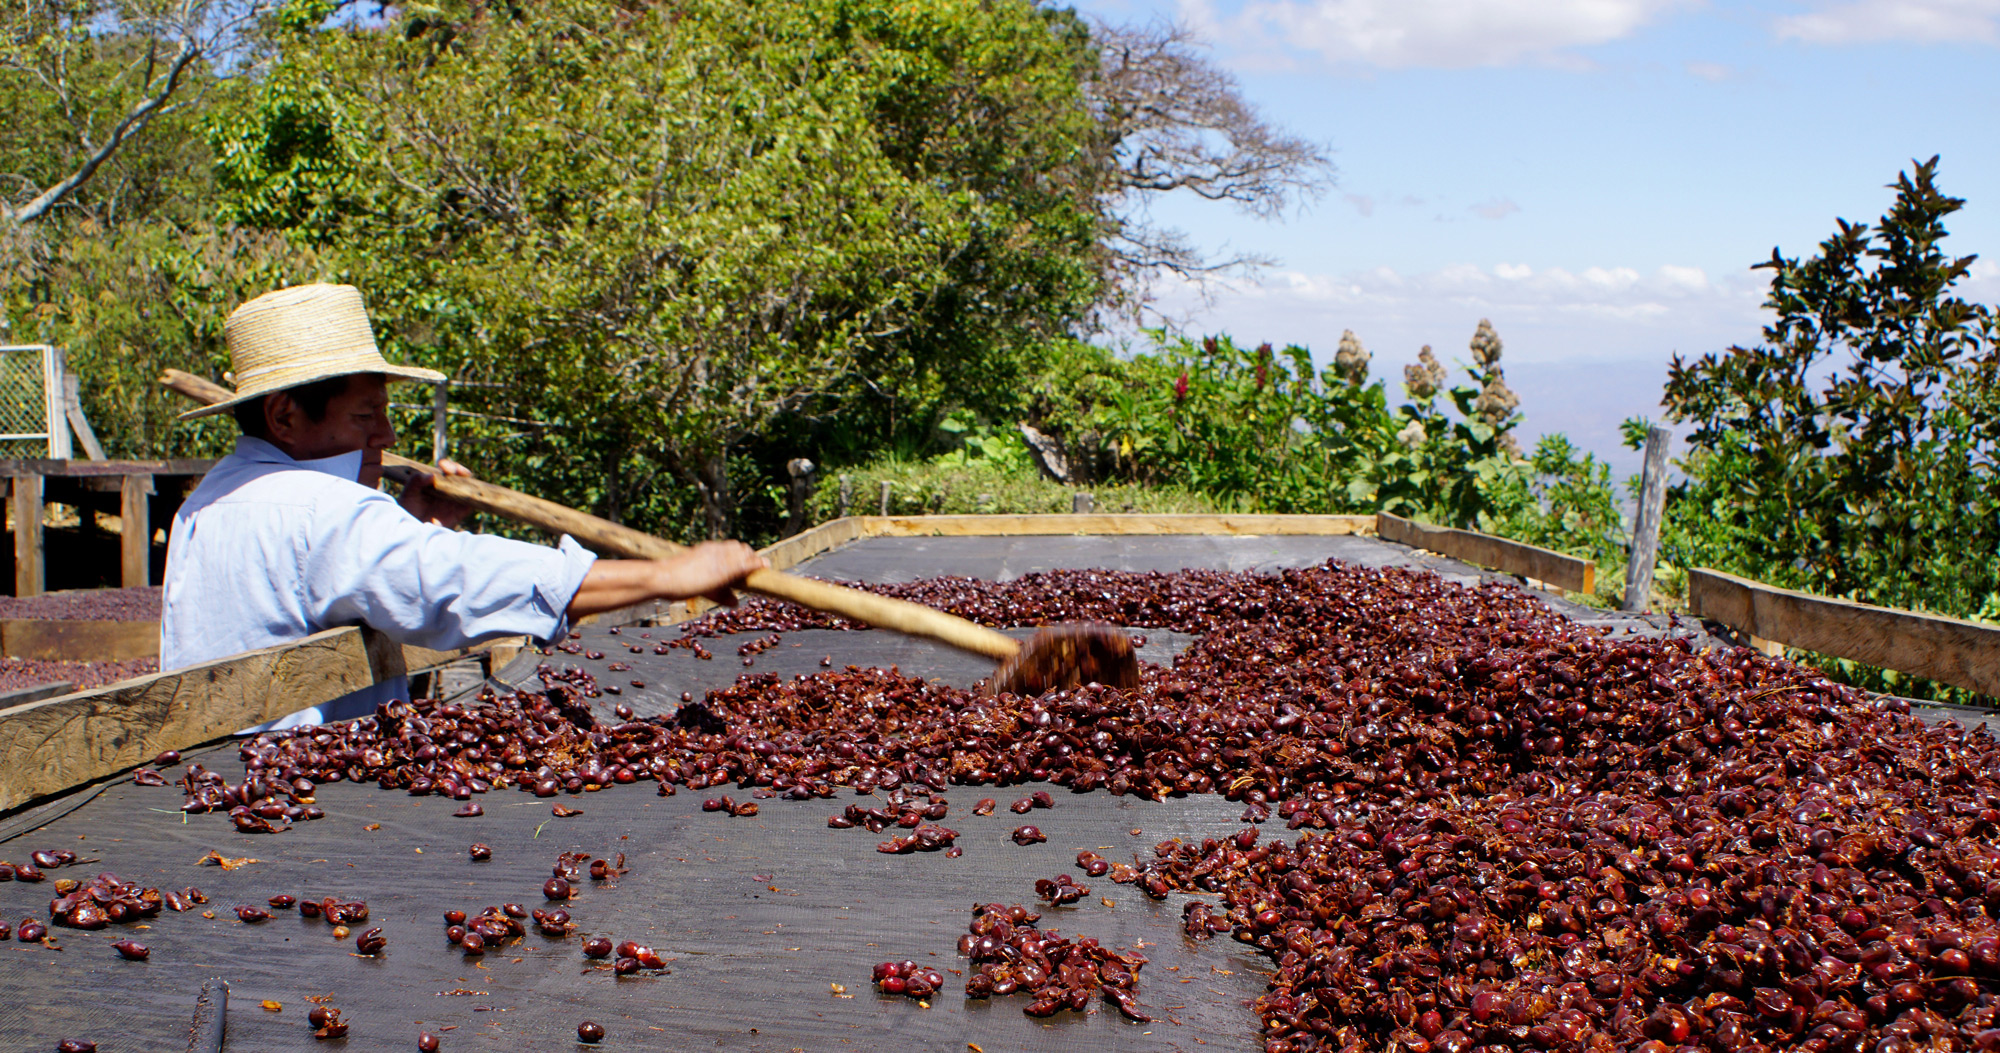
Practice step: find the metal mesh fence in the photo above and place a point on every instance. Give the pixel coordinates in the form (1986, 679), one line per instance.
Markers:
(24, 401)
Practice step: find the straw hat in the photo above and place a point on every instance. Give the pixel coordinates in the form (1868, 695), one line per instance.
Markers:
(295, 336)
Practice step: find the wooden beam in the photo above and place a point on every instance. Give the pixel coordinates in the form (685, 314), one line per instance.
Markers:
(1115, 525)
(1961, 653)
(27, 495)
(50, 746)
(135, 542)
(83, 469)
(62, 640)
(825, 537)
(78, 423)
(35, 693)
(1513, 557)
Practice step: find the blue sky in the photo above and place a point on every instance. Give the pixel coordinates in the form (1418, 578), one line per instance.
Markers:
(1595, 176)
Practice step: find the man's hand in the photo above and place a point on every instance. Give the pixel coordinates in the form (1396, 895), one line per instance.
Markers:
(421, 499)
(710, 569)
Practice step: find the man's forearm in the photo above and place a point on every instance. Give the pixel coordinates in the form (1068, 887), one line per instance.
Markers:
(708, 569)
(613, 583)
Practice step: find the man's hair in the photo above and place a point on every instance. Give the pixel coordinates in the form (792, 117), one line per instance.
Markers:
(312, 399)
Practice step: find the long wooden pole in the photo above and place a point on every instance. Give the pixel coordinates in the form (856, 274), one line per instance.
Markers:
(613, 539)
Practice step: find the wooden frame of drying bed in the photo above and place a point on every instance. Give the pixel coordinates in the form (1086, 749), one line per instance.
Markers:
(56, 744)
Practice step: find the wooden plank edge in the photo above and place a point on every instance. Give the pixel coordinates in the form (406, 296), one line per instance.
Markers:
(21, 696)
(1949, 650)
(1564, 571)
(1116, 524)
(834, 533)
(77, 640)
(72, 469)
(53, 745)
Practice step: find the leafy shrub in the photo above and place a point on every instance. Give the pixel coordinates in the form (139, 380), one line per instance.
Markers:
(1851, 453)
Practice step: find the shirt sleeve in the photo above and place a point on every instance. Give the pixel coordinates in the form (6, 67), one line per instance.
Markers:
(372, 563)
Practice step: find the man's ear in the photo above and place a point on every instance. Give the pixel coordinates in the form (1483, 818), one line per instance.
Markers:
(281, 418)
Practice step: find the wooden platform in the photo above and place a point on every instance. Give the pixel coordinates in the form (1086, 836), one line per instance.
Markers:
(83, 736)
(140, 493)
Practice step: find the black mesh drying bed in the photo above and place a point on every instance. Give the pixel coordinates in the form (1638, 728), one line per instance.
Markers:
(759, 917)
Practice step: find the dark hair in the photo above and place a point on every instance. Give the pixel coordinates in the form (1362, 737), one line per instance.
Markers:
(311, 398)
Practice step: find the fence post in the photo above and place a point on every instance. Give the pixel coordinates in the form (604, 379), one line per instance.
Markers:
(135, 543)
(56, 406)
(438, 435)
(1646, 523)
(73, 407)
(27, 496)
(802, 471)
(846, 495)
(885, 497)
(1082, 503)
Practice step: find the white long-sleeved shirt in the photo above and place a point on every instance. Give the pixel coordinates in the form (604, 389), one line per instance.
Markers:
(268, 550)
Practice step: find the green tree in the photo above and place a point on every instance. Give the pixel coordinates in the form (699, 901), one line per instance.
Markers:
(1851, 452)
(658, 231)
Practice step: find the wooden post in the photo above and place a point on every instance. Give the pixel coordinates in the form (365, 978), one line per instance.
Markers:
(1646, 523)
(73, 406)
(135, 545)
(437, 421)
(801, 470)
(885, 497)
(1082, 504)
(28, 576)
(846, 495)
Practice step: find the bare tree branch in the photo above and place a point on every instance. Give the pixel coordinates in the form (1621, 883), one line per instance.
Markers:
(1171, 121)
(134, 121)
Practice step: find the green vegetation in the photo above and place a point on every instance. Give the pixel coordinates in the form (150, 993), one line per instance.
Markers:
(663, 249)
(1852, 452)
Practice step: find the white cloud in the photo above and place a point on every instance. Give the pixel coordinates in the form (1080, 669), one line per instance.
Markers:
(1451, 34)
(1872, 21)
(1547, 314)
(1690, 278)
(1362, 203)
(1713, 72)
(1495, 208)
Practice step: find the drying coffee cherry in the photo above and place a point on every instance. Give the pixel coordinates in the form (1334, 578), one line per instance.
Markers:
(557, 889)
(597, 947)
(1029, 835)
(282, 901)
(590, 1031)
(252, 914)
(131, 950)
(326, 1020)
(371, 942)
(76, 1045)
(427, 1042)
(480, 851)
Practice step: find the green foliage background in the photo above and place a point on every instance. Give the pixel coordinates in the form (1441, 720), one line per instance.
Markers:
(664, 249)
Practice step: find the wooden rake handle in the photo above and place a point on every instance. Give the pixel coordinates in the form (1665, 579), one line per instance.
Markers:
(604, 536)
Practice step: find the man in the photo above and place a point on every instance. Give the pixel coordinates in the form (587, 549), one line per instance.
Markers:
(288, 535)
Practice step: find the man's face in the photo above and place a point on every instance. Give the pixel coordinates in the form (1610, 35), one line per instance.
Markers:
(356, 419)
